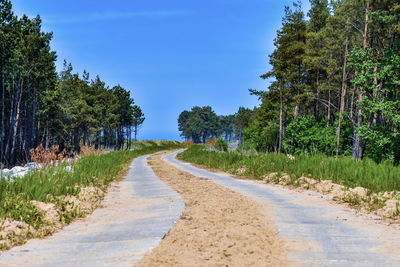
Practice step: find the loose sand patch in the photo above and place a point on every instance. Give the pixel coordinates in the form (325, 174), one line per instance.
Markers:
(219, 227)
(13, 233)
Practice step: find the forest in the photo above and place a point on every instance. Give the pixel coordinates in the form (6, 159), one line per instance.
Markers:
(334, 83)
(61, 111)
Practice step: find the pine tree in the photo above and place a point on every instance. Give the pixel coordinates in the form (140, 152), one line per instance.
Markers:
(287, 64)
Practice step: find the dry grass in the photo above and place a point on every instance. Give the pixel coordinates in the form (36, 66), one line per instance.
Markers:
(211, 142)
(88, 150)
(48, 156)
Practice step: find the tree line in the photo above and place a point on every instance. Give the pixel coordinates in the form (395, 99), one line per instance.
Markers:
(335, 82)
(41, 107)
(202, 123)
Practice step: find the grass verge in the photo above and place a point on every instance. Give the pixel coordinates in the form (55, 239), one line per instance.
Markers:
(364, 185)
(25, 202)
(343, 170)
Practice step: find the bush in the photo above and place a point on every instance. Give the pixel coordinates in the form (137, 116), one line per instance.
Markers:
(188, 143)
(221, 145)
(304, 136)
(263, 138)
(212, 141)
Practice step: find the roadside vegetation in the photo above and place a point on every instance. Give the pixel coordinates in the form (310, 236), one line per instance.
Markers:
(365, 185)
(46, 199)
(342, 170)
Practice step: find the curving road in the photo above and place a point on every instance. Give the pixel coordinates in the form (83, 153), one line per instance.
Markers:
(141, 209)
(322, 234)
(134, 218)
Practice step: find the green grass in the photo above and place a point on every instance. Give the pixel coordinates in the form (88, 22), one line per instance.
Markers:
(47, 184)
(343, 170)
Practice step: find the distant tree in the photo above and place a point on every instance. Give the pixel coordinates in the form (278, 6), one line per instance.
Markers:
(138, 119)
(126, 111)
(211, 123)
(183, 124)
(199, 124)
(243, 118)
(228, 126)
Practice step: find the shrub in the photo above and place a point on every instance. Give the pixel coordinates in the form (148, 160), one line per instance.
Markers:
(48, 156)
(88, 150)
(212, 141)
(304, 136)
(221, 145)
(188, 143)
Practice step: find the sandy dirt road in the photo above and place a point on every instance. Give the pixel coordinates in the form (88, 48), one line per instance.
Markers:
(219, 227)
(315, 231)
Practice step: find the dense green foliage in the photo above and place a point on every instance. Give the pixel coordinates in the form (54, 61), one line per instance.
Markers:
(341, 66)
(343, 170)
(39, 106)
(47, 184)
(202, 123)
(199, 124)
(308, 136)
(221, 145)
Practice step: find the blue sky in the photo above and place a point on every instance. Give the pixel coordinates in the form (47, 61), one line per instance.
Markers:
(172, 55)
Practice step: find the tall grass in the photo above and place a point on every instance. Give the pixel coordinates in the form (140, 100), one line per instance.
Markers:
(47, 184)
(343, 170)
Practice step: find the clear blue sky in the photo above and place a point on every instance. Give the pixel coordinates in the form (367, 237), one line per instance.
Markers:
(171, 55)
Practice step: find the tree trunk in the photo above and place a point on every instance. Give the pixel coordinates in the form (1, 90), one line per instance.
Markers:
(33, 118)
(116, 140)
(357, 149)
(280, 124)
(136, 126)
(375, 94)
(2, 116)
(99, 140)
(47, 135)
(11, 122)
(344, 91)
(16, 122)
(296, 111)
(329, 109)
(130, 136)
(316, 102)
(24, 137)
(37, 132)
(241, 136)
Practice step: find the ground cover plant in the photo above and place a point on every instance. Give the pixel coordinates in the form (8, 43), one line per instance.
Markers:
(25, 200)
(343, 170)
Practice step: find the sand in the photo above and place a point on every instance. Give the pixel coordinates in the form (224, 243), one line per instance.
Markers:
(219, 227)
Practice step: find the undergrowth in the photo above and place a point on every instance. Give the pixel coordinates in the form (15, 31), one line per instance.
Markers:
(343, 170)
